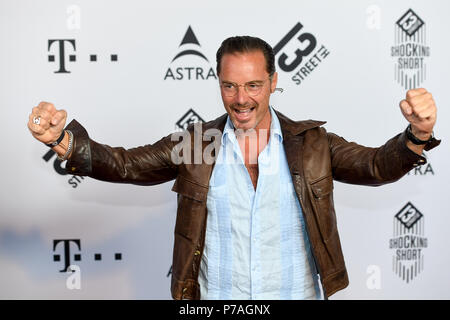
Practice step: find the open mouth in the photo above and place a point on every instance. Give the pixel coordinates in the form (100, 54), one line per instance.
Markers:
(244, 111)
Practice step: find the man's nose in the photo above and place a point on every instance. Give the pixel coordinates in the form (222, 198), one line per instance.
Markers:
(241, 95)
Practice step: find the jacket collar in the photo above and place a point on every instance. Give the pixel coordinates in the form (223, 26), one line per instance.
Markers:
(218, 123)
(296, 127)
(287, 125)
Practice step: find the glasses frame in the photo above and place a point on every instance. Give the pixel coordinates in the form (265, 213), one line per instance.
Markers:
(236, 87)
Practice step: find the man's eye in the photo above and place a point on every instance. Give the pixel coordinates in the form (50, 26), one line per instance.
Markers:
(253, 85)
(227, 85)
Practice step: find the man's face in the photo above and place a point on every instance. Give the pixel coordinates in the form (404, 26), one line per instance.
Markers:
(246, 110)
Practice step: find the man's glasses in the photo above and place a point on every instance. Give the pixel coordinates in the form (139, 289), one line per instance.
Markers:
(253, 88)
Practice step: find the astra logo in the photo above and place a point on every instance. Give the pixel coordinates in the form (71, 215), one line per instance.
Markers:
(423, 170)
(74, 181)
(190, 38)
(190, 52)
(77, 257)
(62, 46)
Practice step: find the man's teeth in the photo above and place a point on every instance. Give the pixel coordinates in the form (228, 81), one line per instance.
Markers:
(244, 111)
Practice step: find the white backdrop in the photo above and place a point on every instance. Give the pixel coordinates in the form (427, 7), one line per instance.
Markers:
(349, 78)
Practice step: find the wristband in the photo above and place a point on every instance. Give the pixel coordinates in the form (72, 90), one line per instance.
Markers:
(416, 140)
(58, 141)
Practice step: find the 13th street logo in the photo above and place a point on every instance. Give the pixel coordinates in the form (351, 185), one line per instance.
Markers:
(408, 243)
(74, 181)
(410, 50)
(306, 56)
(190, 48)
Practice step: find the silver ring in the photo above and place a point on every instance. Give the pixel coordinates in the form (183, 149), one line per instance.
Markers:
(37, 120)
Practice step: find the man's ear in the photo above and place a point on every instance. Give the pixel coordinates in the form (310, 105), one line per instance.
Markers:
(274, 82)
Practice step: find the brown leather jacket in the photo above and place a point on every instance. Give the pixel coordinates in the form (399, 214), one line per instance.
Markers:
(315, 158)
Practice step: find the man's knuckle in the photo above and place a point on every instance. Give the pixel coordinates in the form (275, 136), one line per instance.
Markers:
(421, 90)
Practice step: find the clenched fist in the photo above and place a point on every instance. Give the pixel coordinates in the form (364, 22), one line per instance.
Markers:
(420, 110)
(46, 123)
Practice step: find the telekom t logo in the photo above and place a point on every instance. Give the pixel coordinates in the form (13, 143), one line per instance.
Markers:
(62, 56)
(67, 257)
(77, 257)
(65, 49)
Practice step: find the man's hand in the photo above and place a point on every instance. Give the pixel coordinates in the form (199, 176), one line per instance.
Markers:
(50, 126)
(420, 110)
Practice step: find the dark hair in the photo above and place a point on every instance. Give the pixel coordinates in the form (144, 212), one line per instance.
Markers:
(244, 44)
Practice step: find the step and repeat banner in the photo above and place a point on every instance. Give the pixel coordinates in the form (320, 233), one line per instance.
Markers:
(134, 71)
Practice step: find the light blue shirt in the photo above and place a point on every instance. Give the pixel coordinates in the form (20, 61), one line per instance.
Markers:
(256, 245)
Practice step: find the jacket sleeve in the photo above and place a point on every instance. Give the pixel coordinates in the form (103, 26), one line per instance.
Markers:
(356, 164)
(146, 165)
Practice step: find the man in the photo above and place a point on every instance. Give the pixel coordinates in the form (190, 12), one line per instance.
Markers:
(262, 226)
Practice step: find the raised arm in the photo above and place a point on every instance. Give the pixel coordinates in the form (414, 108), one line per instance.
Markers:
(146, 165)
(356, 164)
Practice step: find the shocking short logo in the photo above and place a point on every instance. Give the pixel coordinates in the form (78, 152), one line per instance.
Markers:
(188, 118)
(408, 243)
(410, 50)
